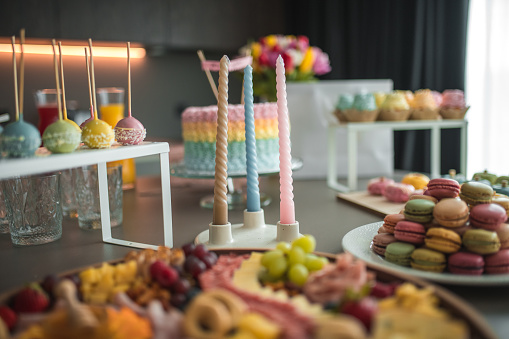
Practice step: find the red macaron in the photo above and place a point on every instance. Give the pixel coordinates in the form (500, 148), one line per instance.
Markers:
(441, 188)
(465, 263)
(497, 263)
(411, 232)
(488, 216)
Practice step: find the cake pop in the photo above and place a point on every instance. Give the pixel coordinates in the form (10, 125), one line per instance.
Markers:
(96, 133)
(19, 138)
(64, 135)
(129, 131)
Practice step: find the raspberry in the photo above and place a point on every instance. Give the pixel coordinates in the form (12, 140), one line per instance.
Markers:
(163, 274)
(8, 316)
(31, 299)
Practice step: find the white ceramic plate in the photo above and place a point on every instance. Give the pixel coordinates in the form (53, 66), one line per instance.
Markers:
(358, 242)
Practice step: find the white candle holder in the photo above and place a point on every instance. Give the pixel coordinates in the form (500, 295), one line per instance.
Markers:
(253, 233)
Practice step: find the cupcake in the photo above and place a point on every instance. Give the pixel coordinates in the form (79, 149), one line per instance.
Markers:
(363, 109)
(345, 102)
(379, 98)
(394, 108)
(424, 106)
(438, 97)
(453, 104)
(409, 96)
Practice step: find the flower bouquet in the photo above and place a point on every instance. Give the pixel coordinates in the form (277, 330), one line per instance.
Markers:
(302, 62)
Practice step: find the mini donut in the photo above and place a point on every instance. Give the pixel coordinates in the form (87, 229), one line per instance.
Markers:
(207, 318)
(235, 305)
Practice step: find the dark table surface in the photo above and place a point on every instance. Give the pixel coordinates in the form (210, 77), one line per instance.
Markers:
(317, 210)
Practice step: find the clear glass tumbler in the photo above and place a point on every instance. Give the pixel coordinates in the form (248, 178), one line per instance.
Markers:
(34, 210)
(4, 221)
(69, 203)
(87, 195)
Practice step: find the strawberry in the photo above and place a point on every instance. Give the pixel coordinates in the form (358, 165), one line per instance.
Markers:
(163, 274)
(31, 299)
(8, 316)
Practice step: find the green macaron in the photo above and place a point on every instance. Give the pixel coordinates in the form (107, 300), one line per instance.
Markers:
(474, 193)
(481, 241)
(419, 210)
(428, 260)
(399, 253)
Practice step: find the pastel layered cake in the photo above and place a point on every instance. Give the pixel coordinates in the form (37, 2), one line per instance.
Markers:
(199, 128)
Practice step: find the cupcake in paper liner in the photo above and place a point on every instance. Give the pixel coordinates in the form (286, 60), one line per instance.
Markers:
(409, 96)
(394, 108)
(424, 106)
(345, 102)
(453, 104)
(363, 109)
(379, 98)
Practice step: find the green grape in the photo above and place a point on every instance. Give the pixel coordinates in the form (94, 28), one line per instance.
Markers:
(269, 256)
(284, 246)
(296, 256)
(314, 263)
(277, 267)
(306, 242)
(265, 277)
(298, 274)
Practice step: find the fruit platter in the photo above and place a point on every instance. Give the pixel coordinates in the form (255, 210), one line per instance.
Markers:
(290, 291)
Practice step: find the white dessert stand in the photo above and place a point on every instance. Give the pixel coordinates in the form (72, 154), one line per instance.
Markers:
(236, 196)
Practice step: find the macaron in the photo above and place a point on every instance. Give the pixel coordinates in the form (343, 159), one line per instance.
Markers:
(481, 241)
(409, 231)
(441, 188)
(381, 241)
(465, 263)
(428, 260)
(423, 196)
(418, 180)
(399, 253)
(488, 216)
(502, 201)
(475, 193)
(503, 235)
(442, 240)
(497, 263)
(398, 192)
(376, 186)
(381, 230)
(419, 210)
(391, 220)
(451, 213)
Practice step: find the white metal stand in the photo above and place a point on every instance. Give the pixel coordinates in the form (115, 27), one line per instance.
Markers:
(45, 161)
(253, 233)
(352, 135)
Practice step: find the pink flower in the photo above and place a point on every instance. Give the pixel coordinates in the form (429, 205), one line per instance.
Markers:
(322, 64)
(303, 42)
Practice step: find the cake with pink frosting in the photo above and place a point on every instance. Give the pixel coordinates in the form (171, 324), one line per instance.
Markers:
(199, 128)
(453, 104)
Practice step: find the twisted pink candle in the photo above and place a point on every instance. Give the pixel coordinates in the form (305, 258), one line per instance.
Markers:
(220, 207)
(287, 207)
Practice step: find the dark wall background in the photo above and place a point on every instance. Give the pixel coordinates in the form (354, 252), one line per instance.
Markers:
(416, 43)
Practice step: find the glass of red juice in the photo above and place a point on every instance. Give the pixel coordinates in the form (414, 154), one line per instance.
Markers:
(46, 103)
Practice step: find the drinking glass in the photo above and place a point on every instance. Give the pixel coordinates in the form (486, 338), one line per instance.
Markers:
(87, 195)
(46, 103)
(67, 183)
(33, 207)
(4, 221)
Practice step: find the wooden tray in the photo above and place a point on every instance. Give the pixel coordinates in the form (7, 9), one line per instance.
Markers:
(373, 203)
(479, 328)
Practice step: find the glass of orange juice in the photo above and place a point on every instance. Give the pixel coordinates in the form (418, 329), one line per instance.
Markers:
(111, 110)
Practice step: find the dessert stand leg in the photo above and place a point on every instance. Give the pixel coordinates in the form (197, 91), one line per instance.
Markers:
(253, 233)
(236, 198)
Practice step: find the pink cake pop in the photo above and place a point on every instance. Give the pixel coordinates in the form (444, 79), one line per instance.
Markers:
(129, 131)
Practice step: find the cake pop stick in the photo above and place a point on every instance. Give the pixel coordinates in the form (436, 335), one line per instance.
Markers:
(16, 97)
(129, 79)
(93, 78)
(89, 85)
(64, 106)
(209, 76)
(59, 103)
(21, 70)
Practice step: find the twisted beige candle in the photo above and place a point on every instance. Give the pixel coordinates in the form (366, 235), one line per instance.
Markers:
(220, 209)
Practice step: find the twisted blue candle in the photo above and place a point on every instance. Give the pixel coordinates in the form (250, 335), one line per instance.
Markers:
(253, 192)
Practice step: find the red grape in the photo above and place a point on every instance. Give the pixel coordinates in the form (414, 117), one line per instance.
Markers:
(188, 248)
(194, 266)
(210, 259)
(200, 251)
(181, 286)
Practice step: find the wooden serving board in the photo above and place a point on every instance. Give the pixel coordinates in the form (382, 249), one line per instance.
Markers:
(373, 203)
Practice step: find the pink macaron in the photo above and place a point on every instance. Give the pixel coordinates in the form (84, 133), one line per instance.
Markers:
(488, 216)
(411, 232)
(465, 263)
(503, 235)
(497, 263)
(398, 192)
(376, 186)
(380, 242)
(441, 188)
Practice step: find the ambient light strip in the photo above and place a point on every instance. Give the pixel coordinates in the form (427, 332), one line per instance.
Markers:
(99, 51)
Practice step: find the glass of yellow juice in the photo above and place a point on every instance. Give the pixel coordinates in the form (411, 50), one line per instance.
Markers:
(111, 110)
